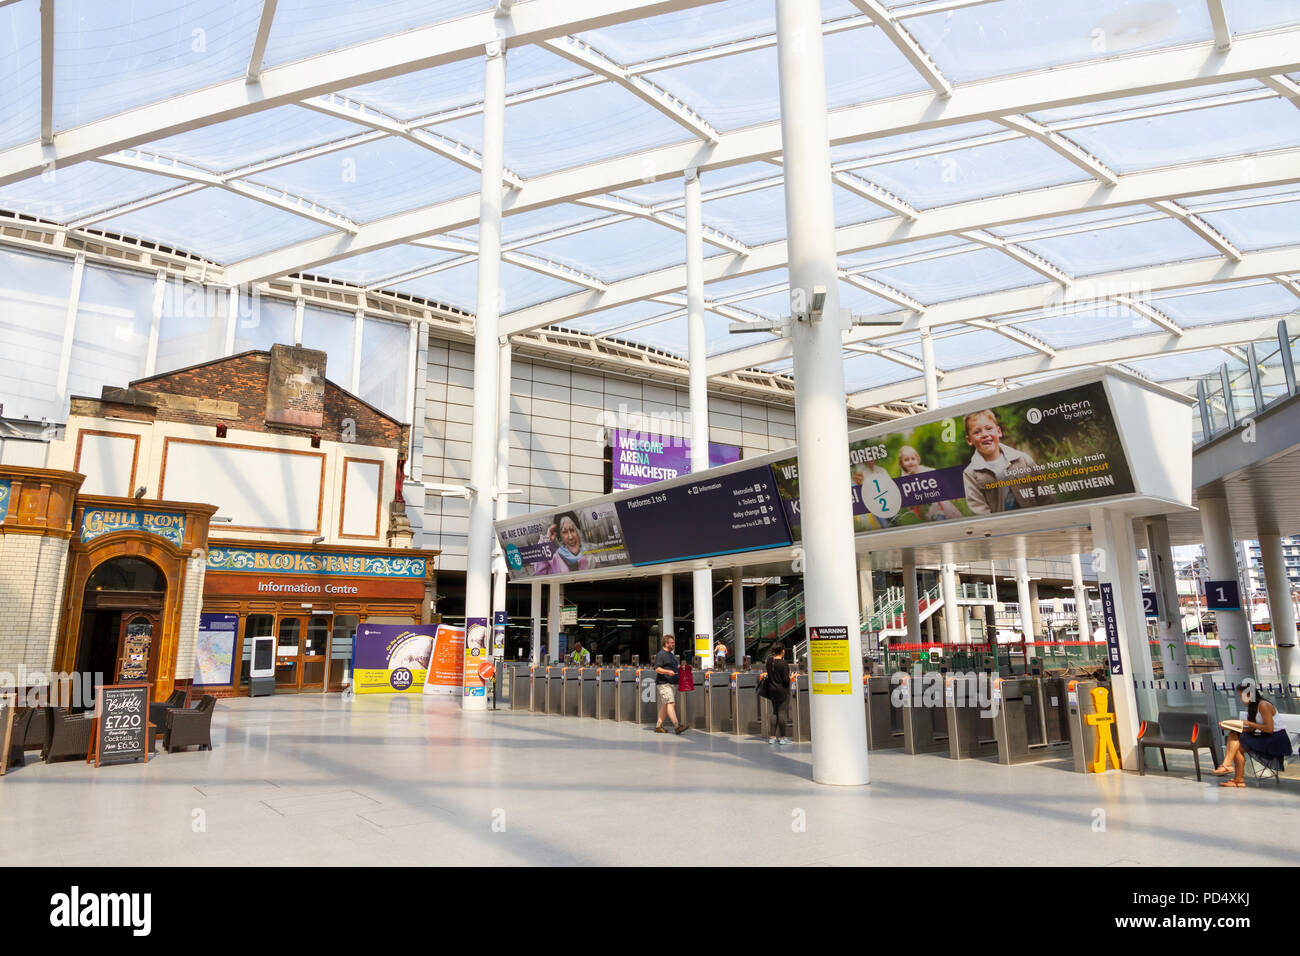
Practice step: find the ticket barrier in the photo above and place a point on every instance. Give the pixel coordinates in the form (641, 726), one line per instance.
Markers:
(1056, 712)
(554, 685)
(1020, 721)
(1083, 736)
(925, 729)
(606, 693)
(570, 690)
(587, 691)
(747, 716)
(690, 704)
(800, 707)
(537, 685)
(884, 720)
(626, 692)
(970, 727)
(520, 677)
(717, 701)
(647, 696)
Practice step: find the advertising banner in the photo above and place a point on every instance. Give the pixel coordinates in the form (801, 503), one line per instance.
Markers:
(214, 654)
(1058, 448)
(724, 514)
(392, 658)
(640, 458)
(476, 652)
(444, 676)
(560, 542)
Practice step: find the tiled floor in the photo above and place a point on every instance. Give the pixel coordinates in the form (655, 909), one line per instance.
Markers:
(398, 780)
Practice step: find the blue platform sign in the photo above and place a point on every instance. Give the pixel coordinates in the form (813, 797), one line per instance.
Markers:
(1150, 604)
(1109, 616)
(1222, 596)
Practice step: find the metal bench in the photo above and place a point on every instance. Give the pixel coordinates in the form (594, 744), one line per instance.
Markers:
(1177, 731)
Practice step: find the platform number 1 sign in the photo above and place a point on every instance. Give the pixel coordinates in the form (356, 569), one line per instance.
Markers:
(1222, 596)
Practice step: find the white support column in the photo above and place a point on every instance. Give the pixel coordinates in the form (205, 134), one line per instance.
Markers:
(478, 559)
(358, 335)
(839, 738)
(556, 598)
(502, 482)
(412, 365)
(1221, 556)
(70, 324)
(1128, 598)
(1080, 599)
(911, 598)
(535, 607)
(1173, 642)
(866, 589)
(1281, 610)
(232, 319)
(666, 612)
(698, 383)
(738, 615)
(155, 324)
(299, 309)
(419, 390)
(953, 617)
(1026, 605)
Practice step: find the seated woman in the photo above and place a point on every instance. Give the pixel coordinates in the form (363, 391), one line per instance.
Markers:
(1257, 736)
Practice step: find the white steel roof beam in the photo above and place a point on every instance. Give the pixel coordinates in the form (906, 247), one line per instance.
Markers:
(1219, 18)
(1063, 147)
(351, 66)
(906, 44)
(47, 72)
(886, 292)
(627, 208)
(254, 73)
(1257, 55)
(1094, 292)
(586, 56)
(1201, 228)
(1154, 345)
(1150, 312)
(1015, 335)
(1284, 86)
(135, 205)
(1020, 254)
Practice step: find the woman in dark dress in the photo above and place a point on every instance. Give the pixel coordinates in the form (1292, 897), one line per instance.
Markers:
(1258, 736)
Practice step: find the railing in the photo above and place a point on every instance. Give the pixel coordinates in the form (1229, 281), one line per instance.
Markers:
(1241, 389)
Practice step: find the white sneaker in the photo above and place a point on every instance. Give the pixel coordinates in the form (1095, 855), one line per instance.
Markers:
(785, 742)
(771, 740)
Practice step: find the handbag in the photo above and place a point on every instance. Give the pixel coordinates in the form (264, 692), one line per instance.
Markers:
(764, 686)
(685, 679)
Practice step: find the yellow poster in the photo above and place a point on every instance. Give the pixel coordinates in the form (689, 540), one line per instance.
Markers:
(830, 660)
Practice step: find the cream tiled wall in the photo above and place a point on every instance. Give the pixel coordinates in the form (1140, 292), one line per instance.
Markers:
(557, 419)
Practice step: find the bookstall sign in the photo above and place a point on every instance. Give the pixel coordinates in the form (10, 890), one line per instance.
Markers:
(121, 729)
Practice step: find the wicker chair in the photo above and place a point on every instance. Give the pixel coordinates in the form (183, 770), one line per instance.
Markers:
(186, 728)
(158, 712)
(69, 735)
(17, 742)
(38, 729)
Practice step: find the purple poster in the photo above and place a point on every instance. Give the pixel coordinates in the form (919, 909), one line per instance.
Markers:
(639, 458)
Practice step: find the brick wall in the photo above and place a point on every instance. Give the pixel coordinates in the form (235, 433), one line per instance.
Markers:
(32, 570)
(242, 380)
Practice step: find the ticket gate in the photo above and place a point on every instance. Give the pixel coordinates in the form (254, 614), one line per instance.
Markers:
(647, 696)
(587, 691)
(717, 701)
(970, 728)
(519, 675)
(606, 693)
(554, 685)
(925, 729)
(1019, 721)
(690, 703)
(626, 691)
(571, 690)
(1056, 712)
(537, 686)
(800, 707)
(747, 717)
(1083, 736)
(884, 724)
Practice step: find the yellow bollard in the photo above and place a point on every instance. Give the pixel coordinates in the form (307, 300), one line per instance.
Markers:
(1102, 720)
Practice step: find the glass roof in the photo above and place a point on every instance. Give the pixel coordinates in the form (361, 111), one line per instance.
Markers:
(1038, 172)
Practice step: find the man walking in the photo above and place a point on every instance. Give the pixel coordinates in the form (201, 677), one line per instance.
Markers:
(665, 685)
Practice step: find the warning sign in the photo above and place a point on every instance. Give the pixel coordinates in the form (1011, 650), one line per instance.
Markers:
(829, 660)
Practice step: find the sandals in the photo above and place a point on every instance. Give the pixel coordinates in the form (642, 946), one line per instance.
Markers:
(1222, 771)
(1233, 783)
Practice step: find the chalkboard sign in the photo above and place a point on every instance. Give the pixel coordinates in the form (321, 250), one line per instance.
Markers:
(121, 723)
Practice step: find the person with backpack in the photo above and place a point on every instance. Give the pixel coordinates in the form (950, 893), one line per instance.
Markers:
(777, 684)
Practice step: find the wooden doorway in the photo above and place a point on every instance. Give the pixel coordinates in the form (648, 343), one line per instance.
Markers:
(302, 652)
(121, 616)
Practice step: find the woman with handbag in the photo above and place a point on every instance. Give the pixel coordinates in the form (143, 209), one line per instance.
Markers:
(777, 682)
